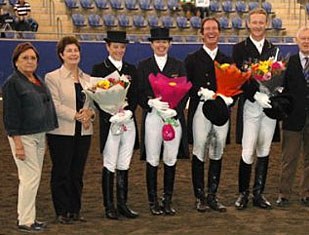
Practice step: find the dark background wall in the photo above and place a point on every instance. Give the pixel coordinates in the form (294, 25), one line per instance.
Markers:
(95, 52)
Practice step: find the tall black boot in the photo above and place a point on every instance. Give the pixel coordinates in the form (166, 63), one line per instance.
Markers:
(122, 195)
(260, 179)
(107, 188)
(214, 173)
(244, 175)
(169, 178)
(151, 178)
(197, 170)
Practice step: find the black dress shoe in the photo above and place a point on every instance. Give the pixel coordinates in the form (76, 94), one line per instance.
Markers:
(201, 205)
(33, 228)
(304, 201)
(261, 201)
(282, 202)
(76, 217)
(62, 219)
(242, 201)
(155, 209)
(214, 204)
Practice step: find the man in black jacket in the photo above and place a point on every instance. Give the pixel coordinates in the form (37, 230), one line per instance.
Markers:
(255, 130)
(202, 131)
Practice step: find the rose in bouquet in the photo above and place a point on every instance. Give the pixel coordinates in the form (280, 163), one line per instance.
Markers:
(171, 91)
(269, 74)
(110, 95)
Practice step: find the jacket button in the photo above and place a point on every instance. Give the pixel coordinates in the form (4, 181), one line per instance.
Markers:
(208, 83)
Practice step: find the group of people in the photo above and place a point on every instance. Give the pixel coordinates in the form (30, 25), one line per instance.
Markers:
(66, 115)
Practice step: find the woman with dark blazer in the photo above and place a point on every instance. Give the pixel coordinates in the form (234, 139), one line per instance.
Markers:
(28, 113)
(152, 122)
(69, 144)
(117, 150)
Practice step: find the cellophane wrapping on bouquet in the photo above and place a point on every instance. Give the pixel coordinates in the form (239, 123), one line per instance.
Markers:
(109, 92)
(171, 90)
(230, 79)
(269, 74)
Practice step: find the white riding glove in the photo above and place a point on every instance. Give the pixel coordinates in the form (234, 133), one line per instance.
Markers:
(206, 94)
(168, 113)
(227, 100)
(262, 99)
(121, 117)
(158, 104)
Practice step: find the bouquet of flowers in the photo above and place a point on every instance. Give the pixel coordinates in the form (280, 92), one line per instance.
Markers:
(269, 74)
(230, 79)
(110, 95)
(171, 91)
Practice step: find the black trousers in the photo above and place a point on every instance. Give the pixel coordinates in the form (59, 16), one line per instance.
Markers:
(68, 155)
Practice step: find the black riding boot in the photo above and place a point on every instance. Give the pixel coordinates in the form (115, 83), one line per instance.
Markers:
(122, 195)
(169, 178)
(214, 173)
(151, 178)
(197, 169)
(260, 179)
(244, 175)
(107, 188)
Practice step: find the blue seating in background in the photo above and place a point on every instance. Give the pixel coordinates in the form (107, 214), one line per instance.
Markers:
(101, 4)
(267, 7)
(124, 21)
(253, 5)
(109, 20)
(227, 7)
(145, 5)
(276, 24)
(71, 4)
(168, 22)
(100, 37)
(131, 5)
(139, 21)
(86, 37)
(192, 38)
(195, 22)
(224, 23)
(241, 7)
(2, 2)
(78, 20)
(86, 4)
(182, 22)
(214, 7)
(159, 5)
(237, 23)
(173, 5)
(13, 2)
(116, 4)
(153, 21)
(94, 20)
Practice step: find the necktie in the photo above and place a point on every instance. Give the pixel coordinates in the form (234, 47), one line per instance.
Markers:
(306, 68)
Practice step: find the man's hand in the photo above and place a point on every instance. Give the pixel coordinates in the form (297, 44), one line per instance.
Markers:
(262, 99)
(206, 94)
(158, 104)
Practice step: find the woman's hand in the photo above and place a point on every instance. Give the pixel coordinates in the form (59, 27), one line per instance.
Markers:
(19, 148)
(85, 116)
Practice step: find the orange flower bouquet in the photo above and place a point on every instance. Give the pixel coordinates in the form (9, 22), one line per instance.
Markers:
(230, 79)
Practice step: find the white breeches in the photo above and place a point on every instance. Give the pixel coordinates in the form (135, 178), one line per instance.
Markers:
(153, 141)
(207, 135)
(258, 132)
(118, 149)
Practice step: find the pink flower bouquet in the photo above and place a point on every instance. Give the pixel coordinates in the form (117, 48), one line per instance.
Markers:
(171, 90)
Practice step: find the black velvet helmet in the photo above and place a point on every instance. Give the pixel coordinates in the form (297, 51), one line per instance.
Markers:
(282, 106)
(216, 111)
